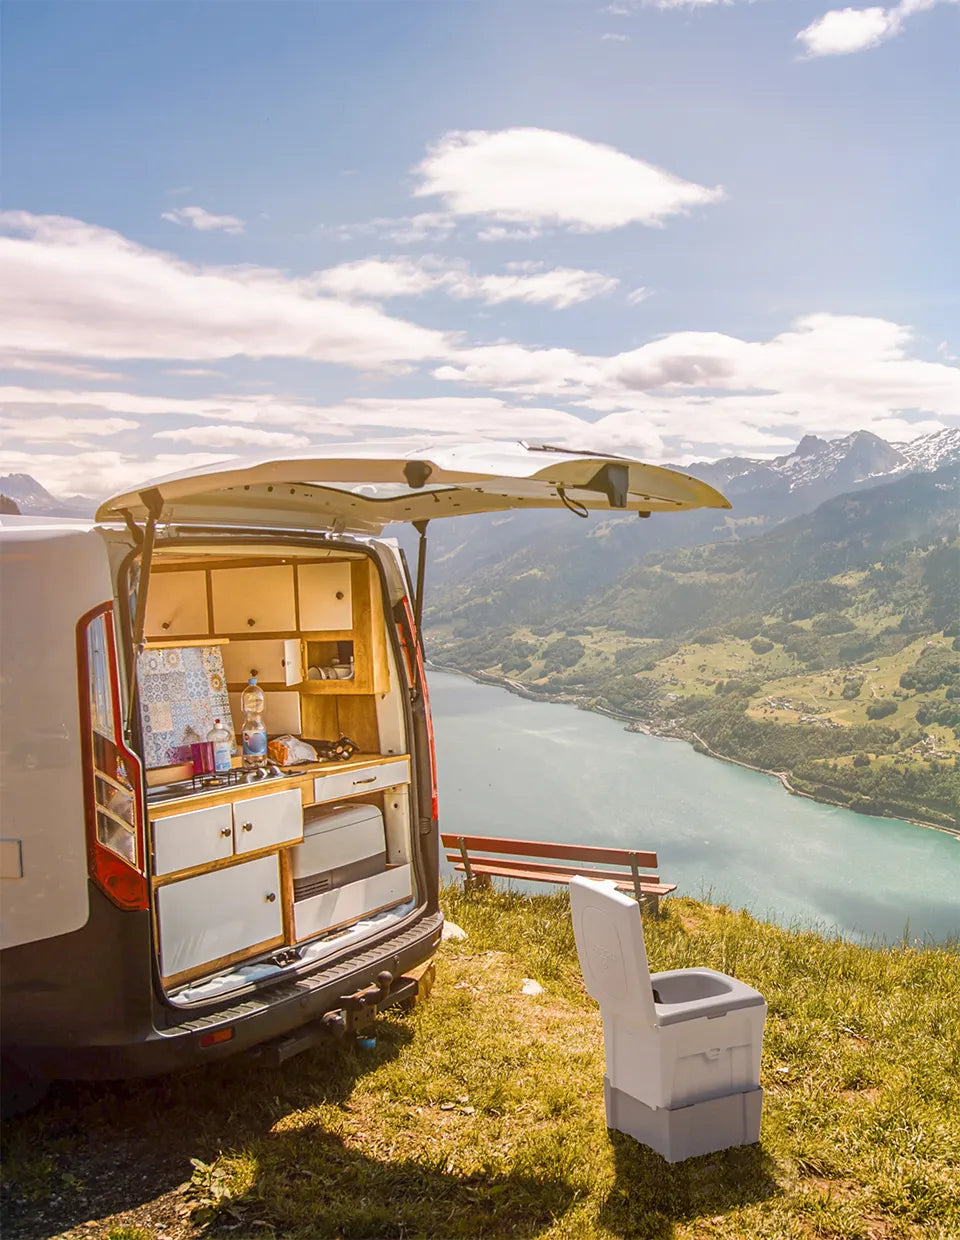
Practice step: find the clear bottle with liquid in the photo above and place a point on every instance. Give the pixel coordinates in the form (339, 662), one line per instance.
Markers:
(219, 737)
(253, 729)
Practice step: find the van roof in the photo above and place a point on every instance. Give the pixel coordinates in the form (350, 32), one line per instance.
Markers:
(361, 487)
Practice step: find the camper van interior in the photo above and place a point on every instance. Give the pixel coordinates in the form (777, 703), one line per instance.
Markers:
(257, 871)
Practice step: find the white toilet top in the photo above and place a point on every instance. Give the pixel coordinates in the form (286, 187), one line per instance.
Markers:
(613, 957)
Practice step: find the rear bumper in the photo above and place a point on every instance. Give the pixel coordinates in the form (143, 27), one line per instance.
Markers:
(255, 1019)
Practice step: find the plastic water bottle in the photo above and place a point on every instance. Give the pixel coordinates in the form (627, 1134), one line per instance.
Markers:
(253, 729)
(219, 737)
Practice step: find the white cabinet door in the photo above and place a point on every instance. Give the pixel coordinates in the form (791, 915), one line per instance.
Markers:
(218, 914)
(345, 904)
(264, 659)
(253, 600)
(365, 779)
(176, 604)
(261, 822)
(325, 598)
(185, 840)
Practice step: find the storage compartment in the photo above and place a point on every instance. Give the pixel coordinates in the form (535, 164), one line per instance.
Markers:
(370, 779)
(176, 605)
(218, 917)
(325, 597)
(253, 600)
(341, 844)
(342, 905)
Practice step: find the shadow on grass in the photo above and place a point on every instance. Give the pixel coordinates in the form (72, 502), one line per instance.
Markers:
(312, 1184)
(650, 1195)
(91, 1150)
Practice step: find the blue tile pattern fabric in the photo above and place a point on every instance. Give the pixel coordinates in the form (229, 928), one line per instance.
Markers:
(180, 689)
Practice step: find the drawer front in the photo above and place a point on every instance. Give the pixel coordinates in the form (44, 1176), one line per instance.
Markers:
(176, 604)
(357, 781)
(253, 600)
(185, 840)
(260, 822)
(264, 659)
(218, 914)
(350, 903)
(325, 597)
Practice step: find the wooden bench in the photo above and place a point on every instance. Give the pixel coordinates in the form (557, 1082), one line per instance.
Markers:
(471, 855)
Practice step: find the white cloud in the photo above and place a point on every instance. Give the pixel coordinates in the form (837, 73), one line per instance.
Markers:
(401, 230)
(382, 278)
(233, 437)
(58, 429)
(204, 221)
(615, 38)
(47, 366)
(194, 372)
(541, 177)
(98, 474)
(75, 289)
(842, 31)
(638, 295)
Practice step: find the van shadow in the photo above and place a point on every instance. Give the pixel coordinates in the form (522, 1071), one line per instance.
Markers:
(650, 1195)
(95, 1149)
(311, 1183)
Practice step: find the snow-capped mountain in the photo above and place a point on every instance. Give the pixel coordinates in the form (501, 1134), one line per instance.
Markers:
(931, 451)
(33, 499)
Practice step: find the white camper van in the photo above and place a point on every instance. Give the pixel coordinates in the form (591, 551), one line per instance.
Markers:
(155, 914)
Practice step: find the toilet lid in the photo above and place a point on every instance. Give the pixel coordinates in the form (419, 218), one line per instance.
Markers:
(613, 958)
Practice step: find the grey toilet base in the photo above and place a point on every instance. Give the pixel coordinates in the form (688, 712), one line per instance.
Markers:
(677, 1133)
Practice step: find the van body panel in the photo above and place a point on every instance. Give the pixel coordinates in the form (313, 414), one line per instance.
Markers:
(52, 574)
(363, 487)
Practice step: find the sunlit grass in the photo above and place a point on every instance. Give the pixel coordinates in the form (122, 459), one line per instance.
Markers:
(480, 1114)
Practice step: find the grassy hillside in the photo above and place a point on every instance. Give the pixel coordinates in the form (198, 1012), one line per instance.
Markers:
(827, 650)
(481, 1114)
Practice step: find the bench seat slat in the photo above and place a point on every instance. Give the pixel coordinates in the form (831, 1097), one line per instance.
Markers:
(555, 876)
(560, 852)
(508, 864)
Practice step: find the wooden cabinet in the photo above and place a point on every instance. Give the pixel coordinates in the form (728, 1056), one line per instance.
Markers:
(358, 782)
(253, 600)
(219, 832)
(262, 822)
(176, 605)
(183, 841)
(326, 597)
(219, 915)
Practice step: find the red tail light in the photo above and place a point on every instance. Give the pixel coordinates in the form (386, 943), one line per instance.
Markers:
(415, 657)
(112, 775)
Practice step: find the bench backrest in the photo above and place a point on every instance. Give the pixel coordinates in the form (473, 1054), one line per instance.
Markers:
(557, 852)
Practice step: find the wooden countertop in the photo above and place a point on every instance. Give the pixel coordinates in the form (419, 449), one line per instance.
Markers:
(295, 777)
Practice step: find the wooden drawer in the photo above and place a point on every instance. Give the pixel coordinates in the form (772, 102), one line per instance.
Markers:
(183, 841)
(253, 600)
(360, 780)
(261, 822)
(176, 604)
(219, 914)
(345, 904)
(325, 597)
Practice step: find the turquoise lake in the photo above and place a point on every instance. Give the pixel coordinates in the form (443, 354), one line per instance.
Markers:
(512, 767)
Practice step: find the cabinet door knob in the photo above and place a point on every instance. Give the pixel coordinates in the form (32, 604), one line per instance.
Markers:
(339, 594)
(165, 625)
(247, 826)
(251, 622)
(271, 896)
(226, 832)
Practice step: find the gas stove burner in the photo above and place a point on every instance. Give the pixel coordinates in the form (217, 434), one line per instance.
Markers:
(221, 779)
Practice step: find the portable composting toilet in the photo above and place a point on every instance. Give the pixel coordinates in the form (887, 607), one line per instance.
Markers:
(682, 1047)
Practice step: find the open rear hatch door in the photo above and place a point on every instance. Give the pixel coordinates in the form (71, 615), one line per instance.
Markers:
(362, 487)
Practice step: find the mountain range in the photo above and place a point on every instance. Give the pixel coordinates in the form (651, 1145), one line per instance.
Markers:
(536, 561)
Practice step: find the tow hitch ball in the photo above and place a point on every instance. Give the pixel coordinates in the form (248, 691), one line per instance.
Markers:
(359, 1010)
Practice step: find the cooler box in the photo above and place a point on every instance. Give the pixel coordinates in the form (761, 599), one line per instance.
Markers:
(341, 844)
(682, 1047)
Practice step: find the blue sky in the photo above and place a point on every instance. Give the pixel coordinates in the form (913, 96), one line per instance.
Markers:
(685, 230)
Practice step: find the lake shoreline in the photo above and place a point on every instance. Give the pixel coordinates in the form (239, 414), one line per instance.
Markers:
(666, 732)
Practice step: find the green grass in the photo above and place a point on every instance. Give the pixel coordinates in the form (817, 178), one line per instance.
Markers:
(480, 1114)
